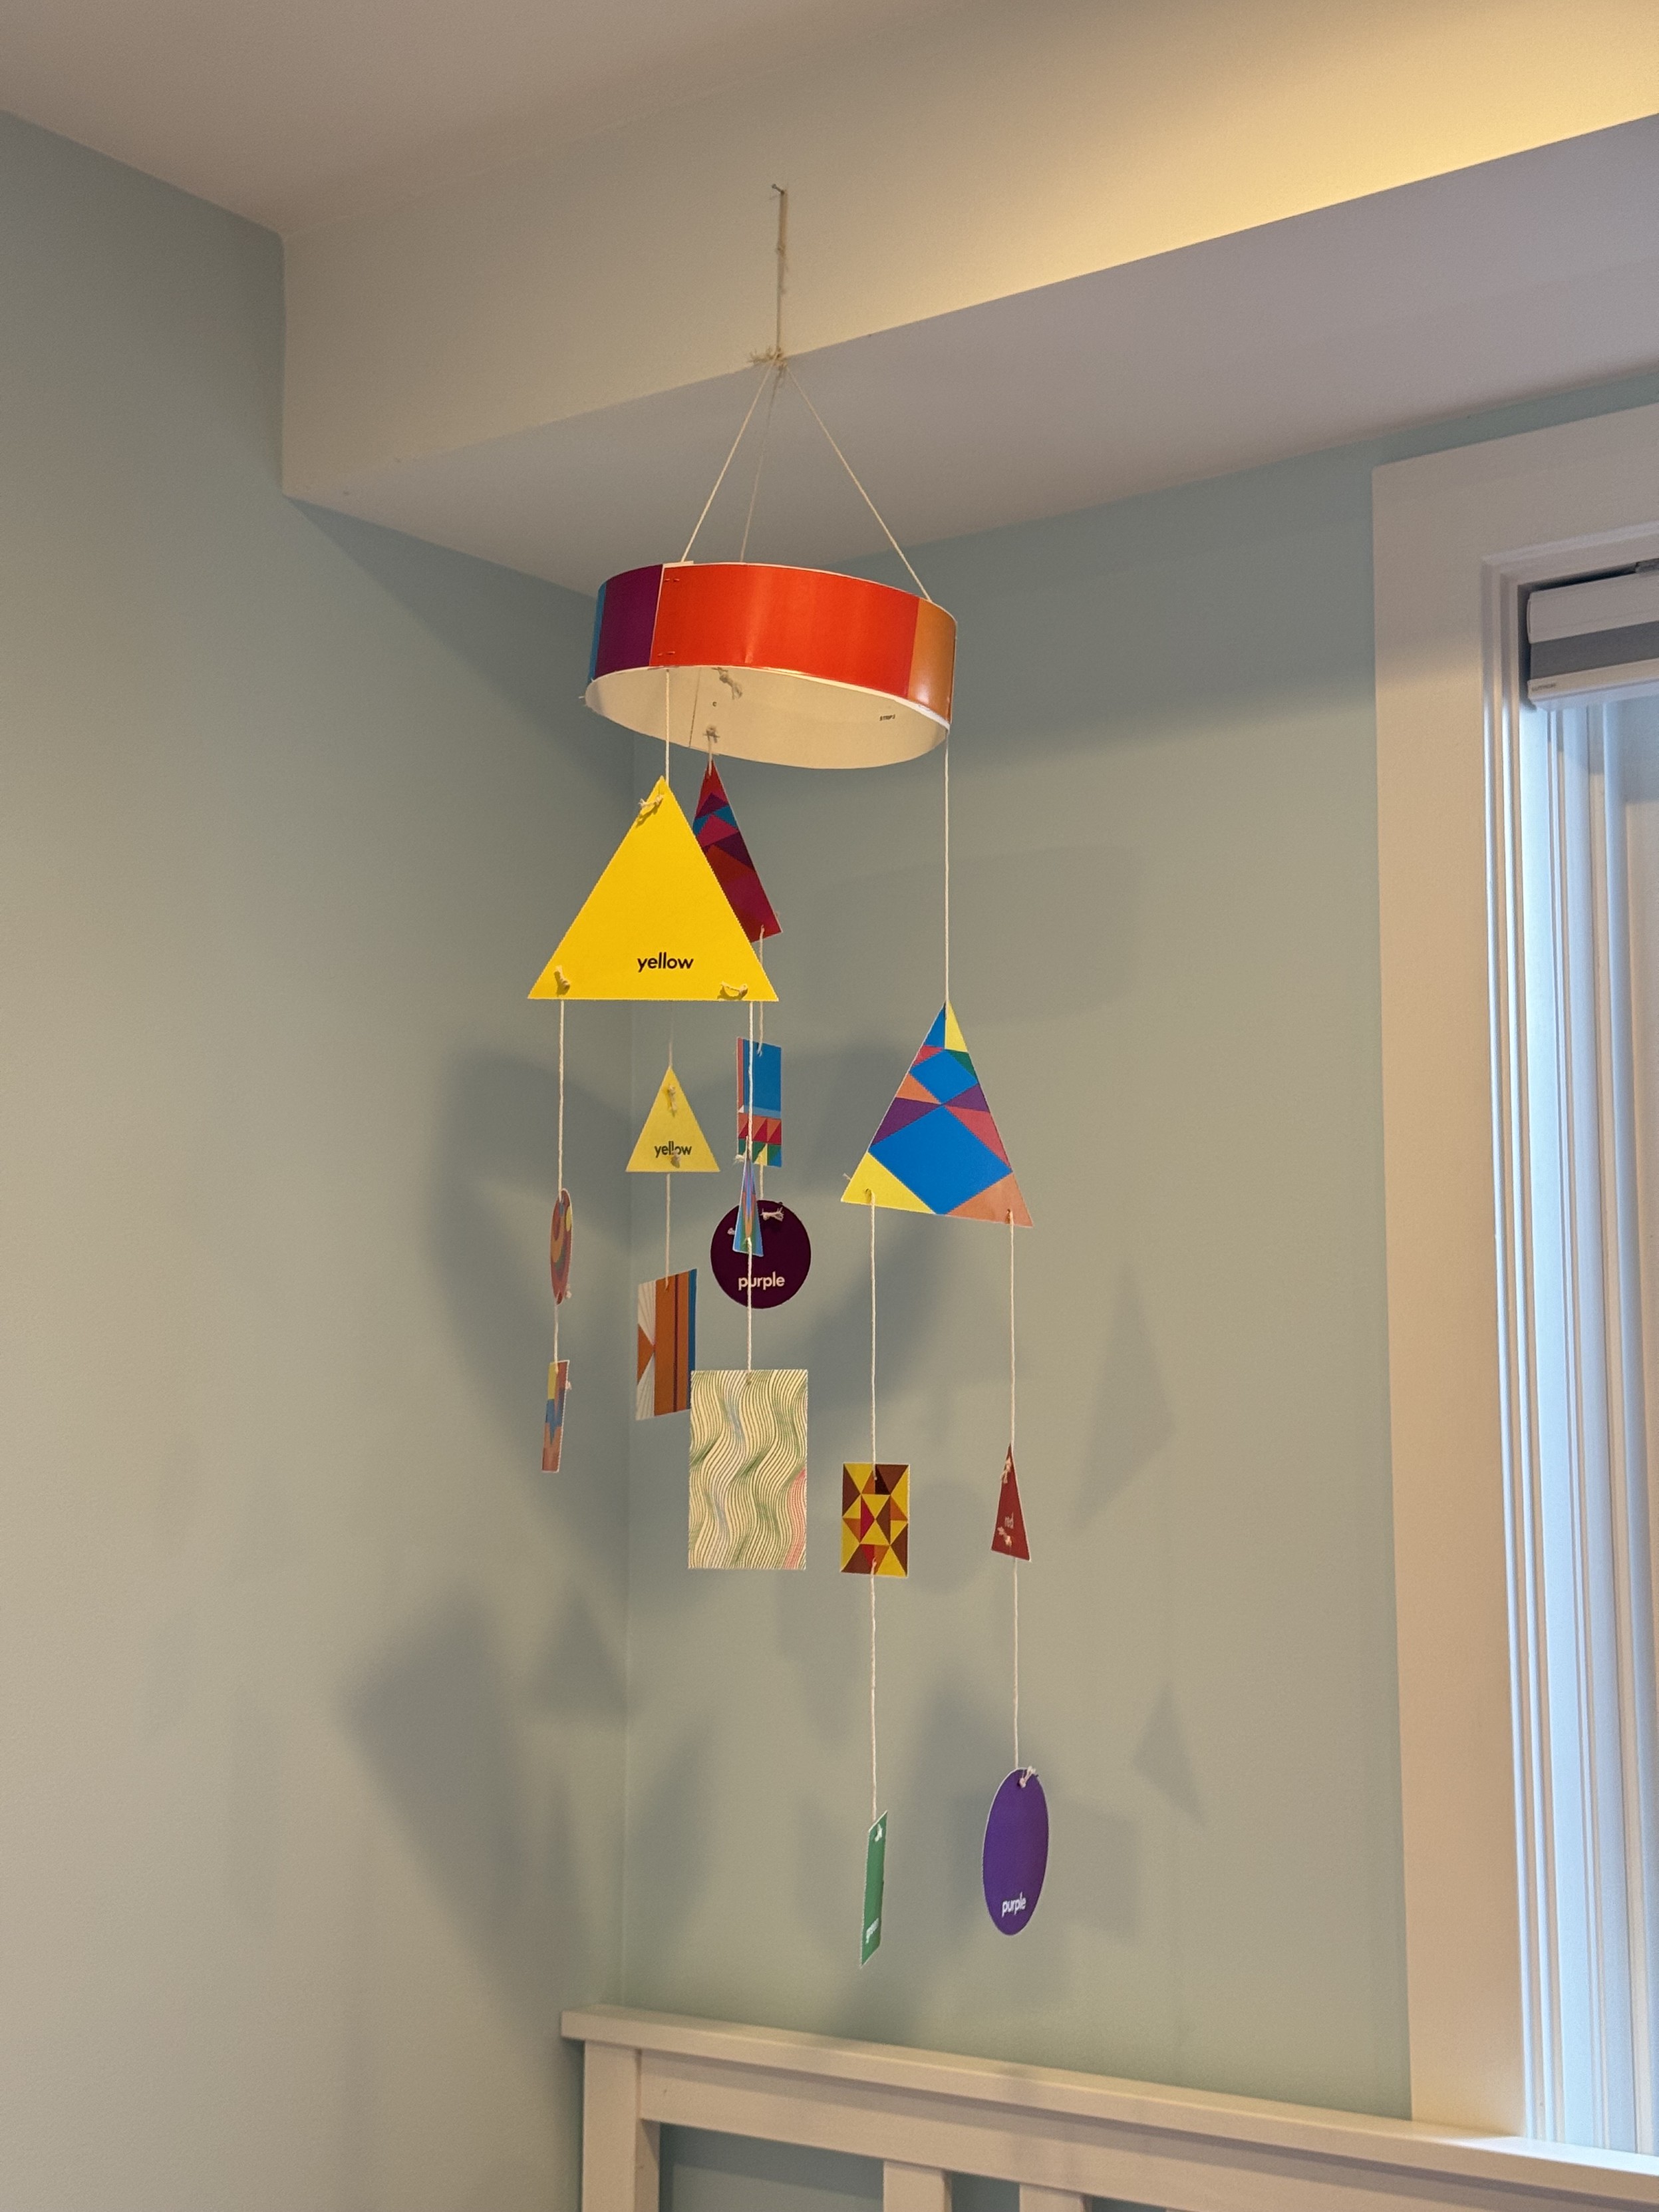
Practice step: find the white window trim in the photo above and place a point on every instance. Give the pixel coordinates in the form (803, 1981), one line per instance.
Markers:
(1457, 535)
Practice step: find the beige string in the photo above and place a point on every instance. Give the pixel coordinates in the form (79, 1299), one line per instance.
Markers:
(559, 1170)
(1011, 1377)
(760, 1039)
(875, 1802)
(789, 372)
(748, 1152)
(776, 366)
(754, 489)
(945, 750)
(725, 466)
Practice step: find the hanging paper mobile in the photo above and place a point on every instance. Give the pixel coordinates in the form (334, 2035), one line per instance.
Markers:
(794, 664)
(875, 1518)
(760, 1102)
(800, 665)
(1015, 1857)
(558, 1248)
(671, 1140)
(666, 1354)
(558, 1256)
(773, 1277)
(875, 1881)
(716, 829)
(746, 1233)
(748, 1468)
(553, 1424)
(1009, 1534)
(938, 1150)
(656, 924)
(670, 1144)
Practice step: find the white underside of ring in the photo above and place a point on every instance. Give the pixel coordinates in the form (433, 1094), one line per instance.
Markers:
(768, 714)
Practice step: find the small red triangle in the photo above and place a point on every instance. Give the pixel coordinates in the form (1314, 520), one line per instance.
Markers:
(1009, 1533)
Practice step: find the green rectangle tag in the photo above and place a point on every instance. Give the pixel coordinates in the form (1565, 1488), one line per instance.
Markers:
(875, 1869)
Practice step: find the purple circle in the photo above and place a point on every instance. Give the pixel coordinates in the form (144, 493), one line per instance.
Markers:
(1016, 1856)
(781, 1266)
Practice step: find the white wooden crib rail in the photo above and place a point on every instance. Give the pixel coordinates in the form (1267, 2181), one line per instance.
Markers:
(1063, 2138)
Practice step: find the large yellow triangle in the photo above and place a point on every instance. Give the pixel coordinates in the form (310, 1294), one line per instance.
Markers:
(656, 924)
(671, 1143)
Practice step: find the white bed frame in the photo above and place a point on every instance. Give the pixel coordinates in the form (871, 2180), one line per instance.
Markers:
(1063, 2138)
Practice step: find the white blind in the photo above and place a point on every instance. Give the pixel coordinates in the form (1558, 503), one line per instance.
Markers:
(1588, 1750)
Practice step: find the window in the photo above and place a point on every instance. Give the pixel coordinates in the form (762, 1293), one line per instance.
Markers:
(1581, 1099)
(1515, 877)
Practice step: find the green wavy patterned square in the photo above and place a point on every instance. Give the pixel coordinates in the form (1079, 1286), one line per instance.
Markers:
(748, 1468)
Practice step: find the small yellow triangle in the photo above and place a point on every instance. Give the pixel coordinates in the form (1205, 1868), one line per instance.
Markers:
(954, 1039)
(656, 924)
(870, 1181)
(671, 1143)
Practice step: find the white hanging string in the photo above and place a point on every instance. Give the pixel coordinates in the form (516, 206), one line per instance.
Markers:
(945, 750)
(760, 1039)
(754, 490)
(559, 1170)
(1011, 1380)
(875, 1800)
(776, 366)
(748, 1149)
(726, 465)
(668, 1180)
(789, 372)
(1013, 1372)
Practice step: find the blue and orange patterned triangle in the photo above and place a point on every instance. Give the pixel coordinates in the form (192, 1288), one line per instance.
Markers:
(938, 1150)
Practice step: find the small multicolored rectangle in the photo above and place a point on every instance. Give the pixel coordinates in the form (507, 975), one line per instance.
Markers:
(666, 1351)
(558, 1248)
(746, 1229)
(875, 1518)
(558, 1377)
(760, 1102)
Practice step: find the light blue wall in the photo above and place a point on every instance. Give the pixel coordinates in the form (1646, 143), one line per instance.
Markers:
(310, 1684)
(1165, 962)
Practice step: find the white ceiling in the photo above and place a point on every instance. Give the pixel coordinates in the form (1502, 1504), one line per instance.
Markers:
(301, 112)
(1535, 273)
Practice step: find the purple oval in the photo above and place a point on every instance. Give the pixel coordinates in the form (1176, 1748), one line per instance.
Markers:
(1016, 1856)
(781, 1266)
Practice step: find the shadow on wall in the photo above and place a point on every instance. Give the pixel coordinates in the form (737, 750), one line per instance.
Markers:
(447, 1728)
(496, 1133)
(1162, 1757)
(434, 1721)
(1132, 1415)
(1001, 905)
(495, 619)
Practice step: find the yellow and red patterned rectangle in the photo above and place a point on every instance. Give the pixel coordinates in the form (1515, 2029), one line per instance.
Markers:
(875, 1518)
